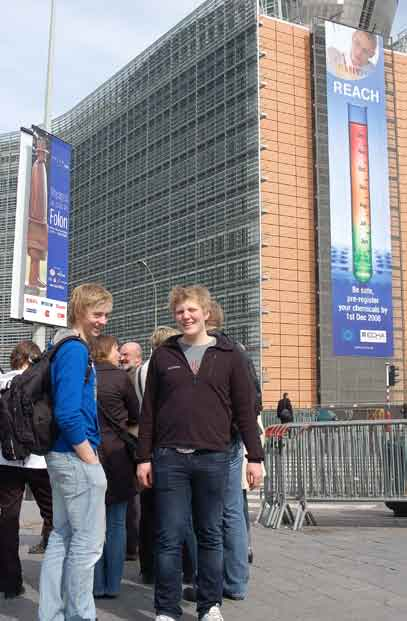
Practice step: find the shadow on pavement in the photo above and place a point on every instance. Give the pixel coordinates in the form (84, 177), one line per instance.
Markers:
(355, 516)
(135, 601)
(22, 609)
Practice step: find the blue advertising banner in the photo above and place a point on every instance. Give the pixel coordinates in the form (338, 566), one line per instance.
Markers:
(58, 220)
(46, 283)
(361, 266)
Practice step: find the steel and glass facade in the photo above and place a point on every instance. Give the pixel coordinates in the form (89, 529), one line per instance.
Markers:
(10, 332)
(206, 158)
(165, 169)
(374, 15)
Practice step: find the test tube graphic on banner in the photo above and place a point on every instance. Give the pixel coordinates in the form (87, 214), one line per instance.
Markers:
(360, 192)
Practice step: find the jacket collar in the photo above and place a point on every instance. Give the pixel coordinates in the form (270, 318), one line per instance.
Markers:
(222, 342)
(106, 366)
(63, 333)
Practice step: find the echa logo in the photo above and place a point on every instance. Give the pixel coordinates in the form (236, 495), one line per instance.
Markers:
(373, 336)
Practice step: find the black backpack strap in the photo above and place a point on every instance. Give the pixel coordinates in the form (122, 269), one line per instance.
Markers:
(51, 353)
(124, 435)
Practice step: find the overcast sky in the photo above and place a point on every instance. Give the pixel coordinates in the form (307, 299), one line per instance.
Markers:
(94, 38)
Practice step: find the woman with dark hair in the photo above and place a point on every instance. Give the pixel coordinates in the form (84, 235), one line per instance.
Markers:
(14, 476)
(117, 399)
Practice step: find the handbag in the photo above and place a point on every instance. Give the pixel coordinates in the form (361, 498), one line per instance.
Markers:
(130, 441)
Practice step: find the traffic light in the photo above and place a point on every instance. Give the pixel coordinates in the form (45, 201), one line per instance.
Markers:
(393, 375)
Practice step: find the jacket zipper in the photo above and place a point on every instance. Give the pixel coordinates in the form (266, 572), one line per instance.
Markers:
(195, 376)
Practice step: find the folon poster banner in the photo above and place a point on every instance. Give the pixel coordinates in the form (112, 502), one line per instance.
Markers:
(361, 266)
(43, 218)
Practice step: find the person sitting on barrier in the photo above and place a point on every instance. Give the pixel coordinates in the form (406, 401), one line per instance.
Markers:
(285, 410)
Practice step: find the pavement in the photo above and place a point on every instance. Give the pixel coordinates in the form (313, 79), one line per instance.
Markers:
(352, 566)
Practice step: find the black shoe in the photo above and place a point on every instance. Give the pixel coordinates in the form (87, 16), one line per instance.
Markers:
(189, 594)
(132, 557)
(14, 594)
(147, 578)
(250, 556)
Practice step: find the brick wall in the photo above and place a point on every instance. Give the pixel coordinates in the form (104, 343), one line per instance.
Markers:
(287, 222)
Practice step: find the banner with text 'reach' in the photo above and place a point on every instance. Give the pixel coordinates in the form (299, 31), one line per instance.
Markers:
(361, 265)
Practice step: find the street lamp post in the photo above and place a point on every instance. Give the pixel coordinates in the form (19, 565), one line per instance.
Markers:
(142, 262)
(38, 334)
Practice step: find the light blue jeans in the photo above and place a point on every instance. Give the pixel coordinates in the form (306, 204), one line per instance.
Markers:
(109, 568)
(235, 540)
(76, 542)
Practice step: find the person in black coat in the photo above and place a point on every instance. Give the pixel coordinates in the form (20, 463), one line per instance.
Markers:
(285, 409)
(116, 399)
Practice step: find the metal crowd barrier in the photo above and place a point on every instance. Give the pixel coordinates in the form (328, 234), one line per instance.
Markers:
(346, 461)
(269, 417)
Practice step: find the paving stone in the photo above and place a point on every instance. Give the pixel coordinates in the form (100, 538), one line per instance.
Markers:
(351, 567)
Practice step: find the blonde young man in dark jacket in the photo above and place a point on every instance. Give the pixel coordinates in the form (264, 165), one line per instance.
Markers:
(194, 383)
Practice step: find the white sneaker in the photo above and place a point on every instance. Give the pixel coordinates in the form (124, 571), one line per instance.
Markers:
(213, 614)
(164, 618)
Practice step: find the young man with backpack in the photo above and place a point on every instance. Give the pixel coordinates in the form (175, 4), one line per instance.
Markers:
(77, 478)
(196, 384)
(14, 476)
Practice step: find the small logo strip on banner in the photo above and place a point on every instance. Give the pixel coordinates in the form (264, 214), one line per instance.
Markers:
(373, 336)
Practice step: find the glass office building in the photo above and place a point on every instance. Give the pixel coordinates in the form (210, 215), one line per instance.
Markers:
(205, 157)
(10, 332)
(166, 169)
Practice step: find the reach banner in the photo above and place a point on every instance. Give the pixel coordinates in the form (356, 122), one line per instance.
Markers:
(41, 246)
(361, 265)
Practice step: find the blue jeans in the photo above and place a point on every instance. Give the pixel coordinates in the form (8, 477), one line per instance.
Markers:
(235, 541)
(192, 550)
(76, 542)
(183, 483)
(109, 568)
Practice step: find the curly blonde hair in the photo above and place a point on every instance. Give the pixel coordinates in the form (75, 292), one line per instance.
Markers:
(179, 294)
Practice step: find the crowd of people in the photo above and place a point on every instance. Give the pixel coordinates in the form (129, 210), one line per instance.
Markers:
(193, 407)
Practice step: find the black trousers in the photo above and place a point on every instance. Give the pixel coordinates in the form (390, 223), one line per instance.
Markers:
(12, 485)
(146, 545)
(133, 524)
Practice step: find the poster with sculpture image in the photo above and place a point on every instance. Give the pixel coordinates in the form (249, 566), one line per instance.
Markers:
(47, 241)
(361, 266)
